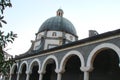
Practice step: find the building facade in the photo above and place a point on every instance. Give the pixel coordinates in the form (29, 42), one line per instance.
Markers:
(57, 54)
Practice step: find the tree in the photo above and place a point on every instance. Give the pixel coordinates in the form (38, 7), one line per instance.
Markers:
(5, 39)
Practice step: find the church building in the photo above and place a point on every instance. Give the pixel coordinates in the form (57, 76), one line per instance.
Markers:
(57, 54)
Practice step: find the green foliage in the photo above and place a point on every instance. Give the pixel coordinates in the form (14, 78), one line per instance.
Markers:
(5, 66)
(5, 39)
(2, 21)
(4, 4)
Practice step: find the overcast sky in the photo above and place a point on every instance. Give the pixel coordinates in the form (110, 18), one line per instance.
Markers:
(26, 17)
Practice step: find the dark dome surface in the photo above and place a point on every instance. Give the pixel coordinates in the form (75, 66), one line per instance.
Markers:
(58, 23)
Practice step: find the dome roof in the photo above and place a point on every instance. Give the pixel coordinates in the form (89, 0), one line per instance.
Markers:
(58, 23)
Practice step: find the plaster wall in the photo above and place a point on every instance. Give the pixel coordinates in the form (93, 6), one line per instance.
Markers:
(70, 37)
(58, 34)
(39, 35)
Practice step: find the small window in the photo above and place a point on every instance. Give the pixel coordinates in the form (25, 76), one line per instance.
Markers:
(54, 34)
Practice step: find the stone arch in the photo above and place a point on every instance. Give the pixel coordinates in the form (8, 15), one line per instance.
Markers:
(13, 68)
(51, 57)
(13, 71)
(10, 67)
(31, 64)
(99, 48)
(67, 56)
(21, 65)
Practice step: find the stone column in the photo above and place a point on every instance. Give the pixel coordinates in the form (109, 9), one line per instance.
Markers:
(86, 75)
(18, 75)
(59, 73)
(10, 76)
(59, 76)
(40, 76)
(86, 71)
(28, 75)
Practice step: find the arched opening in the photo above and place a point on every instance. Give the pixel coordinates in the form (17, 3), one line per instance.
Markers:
(50, 73)
(23, 73)
(106, 66)
(14, 74)
(34, 71)
(54, 34)
(72, 69)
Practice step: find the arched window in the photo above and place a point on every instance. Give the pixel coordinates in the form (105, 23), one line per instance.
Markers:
(54, 34)
(71, 38)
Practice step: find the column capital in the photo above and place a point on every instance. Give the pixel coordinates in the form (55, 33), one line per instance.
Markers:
(11, 73)
(86, 69)
(28, 72)
(42, 72)
(60, 71)
(18, 72)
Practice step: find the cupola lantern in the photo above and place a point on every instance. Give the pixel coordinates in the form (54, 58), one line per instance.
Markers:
(60, 12)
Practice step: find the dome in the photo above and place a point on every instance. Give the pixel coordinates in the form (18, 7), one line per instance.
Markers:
(58, 23)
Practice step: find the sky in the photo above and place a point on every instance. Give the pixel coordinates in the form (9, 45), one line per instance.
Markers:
(26, 17)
